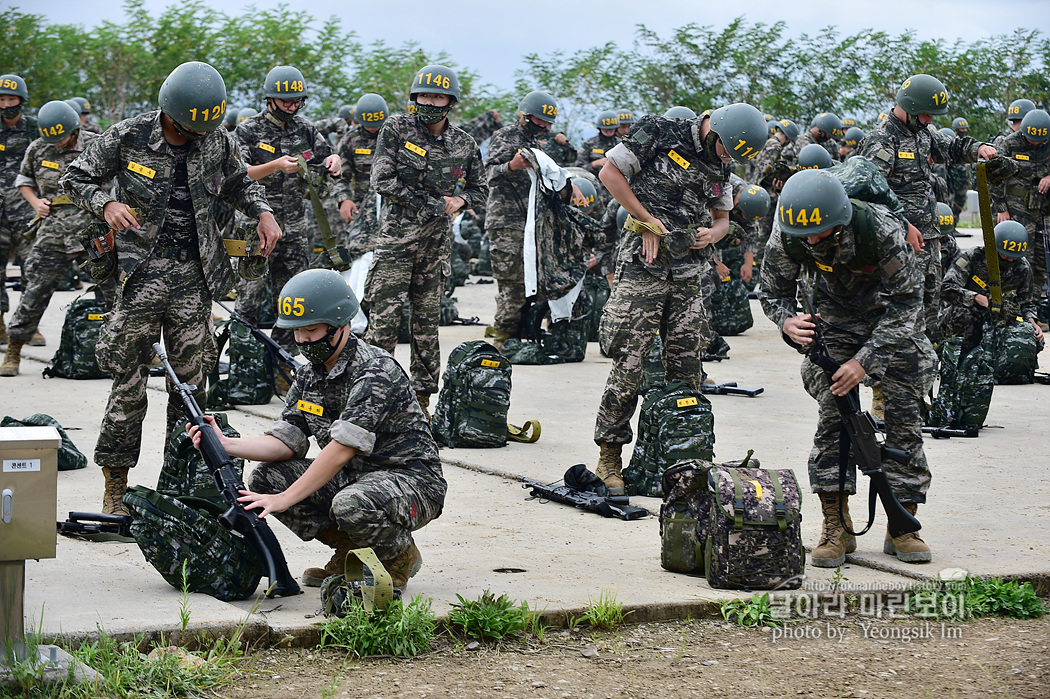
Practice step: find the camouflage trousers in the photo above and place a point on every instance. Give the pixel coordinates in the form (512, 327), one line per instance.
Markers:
(640, 308)
(416, 271)
(289, 257)
(11, 241)
(361, 234)
(44, 269)
(379, 509)
(508, 267)
(162, 298)
(908, 378)
(958, 202)
(930, 264)
(1036, 250)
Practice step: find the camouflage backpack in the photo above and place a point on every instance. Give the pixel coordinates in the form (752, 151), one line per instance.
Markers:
(1016, 353)
(460, 273)
(75, 357)
(472, 405)
(562, 342)
(730, 308)
(683, 515)
(965, 390)
(184, 531)
(250, 377)
(184, 472)
(675, 424)
(753, 533)
(69, 457)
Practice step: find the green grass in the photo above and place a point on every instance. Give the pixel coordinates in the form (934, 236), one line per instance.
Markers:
(492, 618)
(398, 630)
(605, 613)
(755, 612)
(975, 597)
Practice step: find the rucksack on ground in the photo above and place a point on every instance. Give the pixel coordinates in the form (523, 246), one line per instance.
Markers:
(675, 424)
(472, 405)
(176, 532)
(754, 532)
(683, 516)
(1016, 353)
(69, 457)
(75, 356)
(562, 342)
(184, 472)
(730, 308)
(251, 369)
(966, 383)
(597, 287)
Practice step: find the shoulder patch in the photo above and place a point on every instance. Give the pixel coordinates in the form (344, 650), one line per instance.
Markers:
(640, 135)
(884, 155)
(892, 267)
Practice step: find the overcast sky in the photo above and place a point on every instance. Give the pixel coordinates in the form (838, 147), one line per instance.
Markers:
(490, 37)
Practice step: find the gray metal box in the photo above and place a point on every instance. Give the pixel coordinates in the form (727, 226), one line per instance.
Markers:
(28, 492)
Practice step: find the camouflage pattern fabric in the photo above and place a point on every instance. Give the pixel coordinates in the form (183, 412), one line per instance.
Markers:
(966, 384)
(806, 138)
(333, 128)
(595, 148)
(939, 174)
(564, 154)
(754, 533)
(731, 310)
(676, 424)
(172, 533)
(1016, 353)
(75, 356)
(15, 211)
(562, 342)
(1019, 195)
(597, 287)
(683, 516)
(482, 126)
(69, 457)
(873, 314)
(472, 407)
(356, 149)
(508, 267)
(250, 380)
(184, 472)
(91, 127)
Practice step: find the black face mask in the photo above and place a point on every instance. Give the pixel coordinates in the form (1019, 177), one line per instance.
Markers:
(11, 112)
(825, 246)
(710, 152)
(186, 133)
(534, 129)
(321, 350)
(430, 115)
(283, 116)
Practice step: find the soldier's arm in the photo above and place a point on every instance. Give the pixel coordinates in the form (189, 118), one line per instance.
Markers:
(778, 288)
(238, 189)
(87, 178)
(954, 291)
(475, 192)
(880, 152)
(497, 162)
(1026, 296)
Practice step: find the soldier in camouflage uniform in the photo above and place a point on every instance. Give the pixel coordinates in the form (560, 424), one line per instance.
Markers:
(773, 165)
(901, 148)
(483, 125)
(736, 253)
(419, 161)
(1021, 197)
(356, 150)
(1015, 114)
(593, 151)
(958, 173)
(507, 208)
(824, 131)
(872, 315)
(671, 175)
(58, 222)
(335, 128)
(626, 120)
(83, 108)
(378, 476)
(270, 144)
(16, 132)
(170, 166)
(965, 291)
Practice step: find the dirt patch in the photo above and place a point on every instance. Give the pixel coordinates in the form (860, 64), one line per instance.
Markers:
(847, 657)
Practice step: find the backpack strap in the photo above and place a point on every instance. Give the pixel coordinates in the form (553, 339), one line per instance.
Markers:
(778, 491)
(521, 434)
(738, 500)
(375, 584)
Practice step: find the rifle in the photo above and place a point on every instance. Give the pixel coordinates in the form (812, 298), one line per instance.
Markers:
(605, 505)
(858, 440)
(991, 253)
(279, 353)
(94, 523)
(236, 518)
(729, 389)
(948, 433)
(715, 358)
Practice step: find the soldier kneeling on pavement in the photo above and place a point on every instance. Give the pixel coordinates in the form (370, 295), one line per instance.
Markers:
(378, 476)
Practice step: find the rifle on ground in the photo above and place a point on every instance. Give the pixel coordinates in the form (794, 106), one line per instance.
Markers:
(715, 358)
(858, 441)
(95, 523)
(236, 518)
(948, 432)
(597, 500)
(282, 357)
(729, 389)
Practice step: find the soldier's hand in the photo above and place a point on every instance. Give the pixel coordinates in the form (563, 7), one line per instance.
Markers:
(1038, 333)
(599, 163)
(334, 165)
(986, 152)
(1044, 185)
(454, 204)
(195, 434)
(1002, 216)
(560, 139)
(722, 270)
(286, 163)
(263, 504)
(981, 300)
(119, 216)
(348, 209)
(847, 377)
(269, 233)
(42, 207)
(746, 270)
(703, 239)
(650, 241)
(519, 162)
(800, 329)
(914, 238)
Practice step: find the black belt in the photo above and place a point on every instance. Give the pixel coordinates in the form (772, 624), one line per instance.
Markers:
(179, 254)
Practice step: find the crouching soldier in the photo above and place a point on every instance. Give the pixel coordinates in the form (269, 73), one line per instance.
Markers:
(378, 476)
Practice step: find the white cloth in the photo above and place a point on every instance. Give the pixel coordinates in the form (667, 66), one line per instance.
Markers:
(356, 277)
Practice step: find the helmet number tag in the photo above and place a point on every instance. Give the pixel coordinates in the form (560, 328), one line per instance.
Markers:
(1035, 131)
(311, 408)
(1015, 246)
(292, 306)
(214, 112)
(802, 218)
(435, 79)
(56, 130)
(549, 110)
(373, 116)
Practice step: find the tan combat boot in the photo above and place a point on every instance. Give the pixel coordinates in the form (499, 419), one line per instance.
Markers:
(116, 486)
(404, 566)
(909, 548)
(424, 403)
(878, 407)
(835, 541)
(498, 337)
(37, 340)
(610, 465)
(340, 541)
(12, 358)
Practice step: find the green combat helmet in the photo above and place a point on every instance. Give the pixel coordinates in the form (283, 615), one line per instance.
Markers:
(84, 105)
(848, 123)
(829, 123)
(590, 194)
(540, 105)
(194, 98)
(945, 219)
(814, 157)
(960, 126)
(1036, 126)
(625, 116)
(1015, 112)
(435, 80)
(232, 116)
(812, 201)
(679, 112)
(371, 110)
(608, 119)
(854, 136)
(346, 111)
(923, 94)
(753, 203)
(286, 83)
(741, 129)
(947, 131)
(1011, 239)
(11, 84)
(56, 120)
(246, 113)
(787, 127)
(316, 296)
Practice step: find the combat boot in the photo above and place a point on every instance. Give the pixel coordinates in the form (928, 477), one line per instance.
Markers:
(340, 541)
(13, 358)
(610, 465)
(116, 486)
(37, 340)
(835, 541)
(424, 403)
(908, 548)
(404, 566)
(498, 337)
(878, 407)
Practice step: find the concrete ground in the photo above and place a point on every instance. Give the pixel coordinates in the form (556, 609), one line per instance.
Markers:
(986, 511)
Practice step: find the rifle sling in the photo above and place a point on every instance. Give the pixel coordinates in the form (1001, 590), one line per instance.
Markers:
(844, 450)
(991, 254)
(322, 218)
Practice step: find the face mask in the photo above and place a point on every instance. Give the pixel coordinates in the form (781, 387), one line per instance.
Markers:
(283, 116)
(321, 350)
(429, 114)
(710, 152)
(532, 128)
(825, 246)
(186, 133)
(913, 124)
(11, 112)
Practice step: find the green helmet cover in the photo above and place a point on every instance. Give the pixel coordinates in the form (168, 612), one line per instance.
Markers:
(316, 296)
(829, 123)
(814, 157)
(787, 127)
(1015, 112)
(589, 192)
(1036, 126)
(11, 84)
(854, 136)
(945, 218)
(371, 110)
(960, 124)
(679, 112)
(608, 119)
(194, 96)
(741, 129)
(435, 80)
(56, 120)
(923, 94)
(812, 201)
(285, 82)
(540, 105)
(625, 116)
(1011, 239)
(246, 113)
(753, 203)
